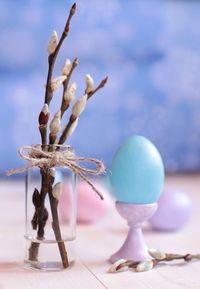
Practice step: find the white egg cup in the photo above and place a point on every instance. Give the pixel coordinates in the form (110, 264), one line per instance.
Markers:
(134, 247)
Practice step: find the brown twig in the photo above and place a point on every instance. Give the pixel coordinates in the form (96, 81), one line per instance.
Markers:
(40, 216)
(43, 133)
(55, 224)
(66, 82)
(101, 85)
(63, 136)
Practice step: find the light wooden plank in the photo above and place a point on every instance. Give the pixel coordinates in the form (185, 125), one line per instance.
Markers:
(94, 246)
(12, 276)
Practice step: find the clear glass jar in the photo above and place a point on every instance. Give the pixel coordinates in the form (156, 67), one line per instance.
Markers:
(49, 238)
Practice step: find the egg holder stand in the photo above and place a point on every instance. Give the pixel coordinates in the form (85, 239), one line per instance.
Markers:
(134, 247)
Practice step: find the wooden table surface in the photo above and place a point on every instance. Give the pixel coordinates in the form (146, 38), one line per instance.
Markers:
(95, 243)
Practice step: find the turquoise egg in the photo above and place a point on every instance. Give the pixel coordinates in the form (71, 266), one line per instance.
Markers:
(137, 172)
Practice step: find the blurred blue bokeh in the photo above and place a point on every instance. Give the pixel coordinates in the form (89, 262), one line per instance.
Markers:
(149, 48)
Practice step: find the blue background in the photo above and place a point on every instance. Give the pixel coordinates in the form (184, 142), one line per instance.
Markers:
(150, 49)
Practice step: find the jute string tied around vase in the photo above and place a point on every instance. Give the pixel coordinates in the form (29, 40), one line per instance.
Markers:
(37, 157)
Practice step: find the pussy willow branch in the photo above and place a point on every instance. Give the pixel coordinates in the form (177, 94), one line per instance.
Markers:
(51, 62)
(48, 97)
(52, 57)
(34, 247)
(72, 119)
(168, 258)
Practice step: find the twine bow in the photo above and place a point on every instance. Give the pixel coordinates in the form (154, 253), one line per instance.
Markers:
(58, 158)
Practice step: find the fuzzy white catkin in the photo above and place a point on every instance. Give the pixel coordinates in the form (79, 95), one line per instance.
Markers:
(53, 42)
(157, 254)
(57, 190)
(67, 67)
(114, 266)
(89, 83)
(79, 106)
(70, 93)
(56, 82)
(144, 266)
(55, 124)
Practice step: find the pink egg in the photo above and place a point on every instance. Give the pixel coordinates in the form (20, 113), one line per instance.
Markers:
(174, 210)
(90, 208)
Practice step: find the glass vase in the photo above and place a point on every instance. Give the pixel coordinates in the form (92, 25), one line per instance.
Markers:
(49, 238)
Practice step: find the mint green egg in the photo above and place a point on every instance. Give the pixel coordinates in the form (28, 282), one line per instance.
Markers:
(137, 172)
